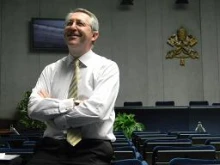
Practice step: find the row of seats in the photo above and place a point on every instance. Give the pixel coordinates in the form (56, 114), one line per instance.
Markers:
(22, 145)
(159, 148)
(173, 139)
(162, 148)
(145, 148)
(124, 148)
(174, 161)
(170, 103)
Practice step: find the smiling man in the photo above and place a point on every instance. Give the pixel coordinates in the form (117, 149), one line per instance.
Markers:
(75, 97)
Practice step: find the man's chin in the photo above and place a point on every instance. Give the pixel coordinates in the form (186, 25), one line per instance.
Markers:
(72, 44)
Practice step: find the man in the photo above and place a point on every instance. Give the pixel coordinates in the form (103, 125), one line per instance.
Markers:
(85, 114)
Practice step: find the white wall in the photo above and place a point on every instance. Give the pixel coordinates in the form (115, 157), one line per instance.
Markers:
(134, 37)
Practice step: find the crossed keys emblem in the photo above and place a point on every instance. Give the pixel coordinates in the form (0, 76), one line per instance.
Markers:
(182, 43)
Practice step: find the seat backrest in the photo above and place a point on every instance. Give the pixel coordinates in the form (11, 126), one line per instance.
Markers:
(201, 139)
(188, 161)
(165, 103)
(164, 154)
(216, 144)
(181, 132)
(133, 103)
(4, 144)
(145, 132)
(149, 146)
(124, 152)
(14, 142)
(141, 141)
(129, 162)
(198, 103)
(188, 135)
(137, 137)
(216, 104)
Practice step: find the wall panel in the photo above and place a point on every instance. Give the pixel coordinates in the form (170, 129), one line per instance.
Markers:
(135, 37)
(180, 84)
(128, 32)
(18, 69)
(209, 50)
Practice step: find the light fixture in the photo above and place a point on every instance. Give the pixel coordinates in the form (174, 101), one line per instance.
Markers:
(127, 2)
(182, 2)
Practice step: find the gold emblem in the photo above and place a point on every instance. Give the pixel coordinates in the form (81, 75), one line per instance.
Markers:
(182, 43)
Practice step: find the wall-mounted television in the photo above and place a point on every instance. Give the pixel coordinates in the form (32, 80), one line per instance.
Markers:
(47, 35)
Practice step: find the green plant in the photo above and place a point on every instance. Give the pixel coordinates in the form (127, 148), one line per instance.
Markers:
(127, 124)
(23, 120)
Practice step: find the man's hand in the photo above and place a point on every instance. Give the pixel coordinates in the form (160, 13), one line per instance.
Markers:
(43, 93)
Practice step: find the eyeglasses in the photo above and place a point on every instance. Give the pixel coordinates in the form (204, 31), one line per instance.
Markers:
(78, 23)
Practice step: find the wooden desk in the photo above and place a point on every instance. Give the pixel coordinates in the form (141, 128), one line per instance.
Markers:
(10, 159)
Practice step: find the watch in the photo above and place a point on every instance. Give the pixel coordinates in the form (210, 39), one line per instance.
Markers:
(76, 102)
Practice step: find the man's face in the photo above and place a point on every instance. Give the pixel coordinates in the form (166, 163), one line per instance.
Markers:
(78, 32)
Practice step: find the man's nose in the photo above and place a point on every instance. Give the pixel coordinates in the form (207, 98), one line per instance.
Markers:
(74, 25)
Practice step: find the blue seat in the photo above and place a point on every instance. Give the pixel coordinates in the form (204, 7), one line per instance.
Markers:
(165, 103)
(188, 161)
(133, 103)
(198, 103)
(18, 151)
(164, 154)
(216, 104)
(29, 144)
(200, 139)
(14, 142)
(190, 134)
(127, 152)
(149, 146)
(140, 139)
(4, 144)
(129, 162)
(216, 144)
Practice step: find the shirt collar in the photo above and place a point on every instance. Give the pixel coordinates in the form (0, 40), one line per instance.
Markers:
(84, 59)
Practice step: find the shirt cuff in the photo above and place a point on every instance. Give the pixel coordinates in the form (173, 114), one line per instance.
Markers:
(66, 105)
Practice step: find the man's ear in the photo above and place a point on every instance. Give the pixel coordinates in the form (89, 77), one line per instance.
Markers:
(95, 36)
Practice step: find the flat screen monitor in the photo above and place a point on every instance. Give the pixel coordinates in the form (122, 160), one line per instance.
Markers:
(47, 35)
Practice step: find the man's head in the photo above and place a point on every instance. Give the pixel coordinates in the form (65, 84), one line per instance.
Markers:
(81, 31)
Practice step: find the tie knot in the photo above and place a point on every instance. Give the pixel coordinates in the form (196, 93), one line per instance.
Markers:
(76, 62)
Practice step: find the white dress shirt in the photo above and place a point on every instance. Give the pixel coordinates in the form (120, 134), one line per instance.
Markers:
(98, 89)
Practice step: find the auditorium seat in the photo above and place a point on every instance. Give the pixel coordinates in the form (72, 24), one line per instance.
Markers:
(133, 103)
(201, 139)
(216, 104)
(162, 155)
(129, 162)
(126, 152)
(189, 161)
(139, 141)
(198, 103)
(216, 144)
(165, 103)
(149, 146)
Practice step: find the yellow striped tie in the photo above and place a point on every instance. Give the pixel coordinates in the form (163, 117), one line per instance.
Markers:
(73, 89)
(74, 134)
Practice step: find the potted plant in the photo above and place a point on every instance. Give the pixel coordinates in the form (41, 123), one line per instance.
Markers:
(127, 124)
(24, 122)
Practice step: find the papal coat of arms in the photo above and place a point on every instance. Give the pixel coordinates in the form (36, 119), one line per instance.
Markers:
(182, 43)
